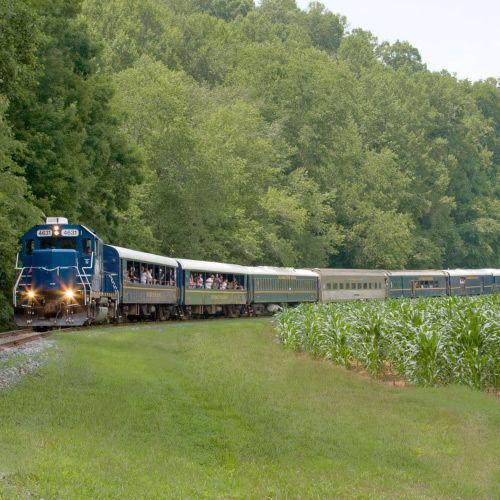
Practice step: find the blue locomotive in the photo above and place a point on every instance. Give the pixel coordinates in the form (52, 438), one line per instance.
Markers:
(67, 276)
(61, 277)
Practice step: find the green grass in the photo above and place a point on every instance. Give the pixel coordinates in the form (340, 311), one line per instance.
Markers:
(219, 410)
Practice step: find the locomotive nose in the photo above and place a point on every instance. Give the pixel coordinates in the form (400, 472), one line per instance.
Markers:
(54, 269)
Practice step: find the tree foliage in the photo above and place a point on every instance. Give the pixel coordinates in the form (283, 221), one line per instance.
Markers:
(257, 134)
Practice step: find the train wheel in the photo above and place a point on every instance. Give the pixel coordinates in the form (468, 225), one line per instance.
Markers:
(186, 313)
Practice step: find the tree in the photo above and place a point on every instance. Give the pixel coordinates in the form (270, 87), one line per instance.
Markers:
(20, 36)
(325, 29)
(226, 9)
(399, 55)
(76, 161)
(130, 29)
(17, 214)
(357, 51)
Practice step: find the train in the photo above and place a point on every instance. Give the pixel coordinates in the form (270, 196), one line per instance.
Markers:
(67, 276)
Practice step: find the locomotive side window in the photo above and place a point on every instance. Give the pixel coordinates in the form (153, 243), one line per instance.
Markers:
(29, 247)
(86, 246)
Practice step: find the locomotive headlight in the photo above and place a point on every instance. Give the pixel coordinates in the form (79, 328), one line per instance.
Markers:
(69, 294)
(56, 230)
(31, 294)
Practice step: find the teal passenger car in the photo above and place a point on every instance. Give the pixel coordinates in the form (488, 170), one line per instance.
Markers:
(430, 283)
(470, 281)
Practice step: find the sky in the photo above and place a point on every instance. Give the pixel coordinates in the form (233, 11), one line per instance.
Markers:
(460, 36)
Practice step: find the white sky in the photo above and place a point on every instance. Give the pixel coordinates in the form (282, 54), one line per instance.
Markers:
(460, 36)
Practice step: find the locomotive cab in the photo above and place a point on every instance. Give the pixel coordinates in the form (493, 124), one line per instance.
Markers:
(59, 274)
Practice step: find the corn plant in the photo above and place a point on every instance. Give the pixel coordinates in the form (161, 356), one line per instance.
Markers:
(429, 341)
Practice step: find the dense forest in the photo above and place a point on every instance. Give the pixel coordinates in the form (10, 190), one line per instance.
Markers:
(223, 130)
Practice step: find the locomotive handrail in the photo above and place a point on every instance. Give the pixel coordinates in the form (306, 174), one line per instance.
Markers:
(14, 290)
(91, 263)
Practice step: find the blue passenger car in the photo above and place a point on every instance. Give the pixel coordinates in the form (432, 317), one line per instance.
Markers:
(470, 281)
(146, 283)
(416, 284)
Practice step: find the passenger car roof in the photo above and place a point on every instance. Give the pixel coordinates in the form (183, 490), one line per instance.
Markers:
(281, 271)
(213, 267)
(126, 253)
(351, 272)
(469, 272)
(422, 272)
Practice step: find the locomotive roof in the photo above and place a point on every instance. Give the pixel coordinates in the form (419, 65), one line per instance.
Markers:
(213, 267)
(281, 271)
(126, 253)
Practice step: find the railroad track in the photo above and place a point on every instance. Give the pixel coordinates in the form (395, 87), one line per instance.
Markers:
(17, 337)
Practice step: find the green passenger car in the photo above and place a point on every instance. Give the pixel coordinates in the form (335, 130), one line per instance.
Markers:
(271, 287)
(212, 287)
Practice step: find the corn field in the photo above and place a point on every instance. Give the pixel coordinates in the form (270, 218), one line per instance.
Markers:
(428, 341)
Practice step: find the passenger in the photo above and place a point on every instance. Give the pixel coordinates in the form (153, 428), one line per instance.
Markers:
(209, 282)
(199, 281)
(131, 274)
(191, 281)
(223, 285)
(235, 284)
(161, 277)
(144, 276)
(229, 285)
(150, 278)
(217, 281)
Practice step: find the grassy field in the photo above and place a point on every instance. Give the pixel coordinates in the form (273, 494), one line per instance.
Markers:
(219, 410)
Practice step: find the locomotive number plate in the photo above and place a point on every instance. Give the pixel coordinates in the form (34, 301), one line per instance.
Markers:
(44, 232)
(69, 232)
